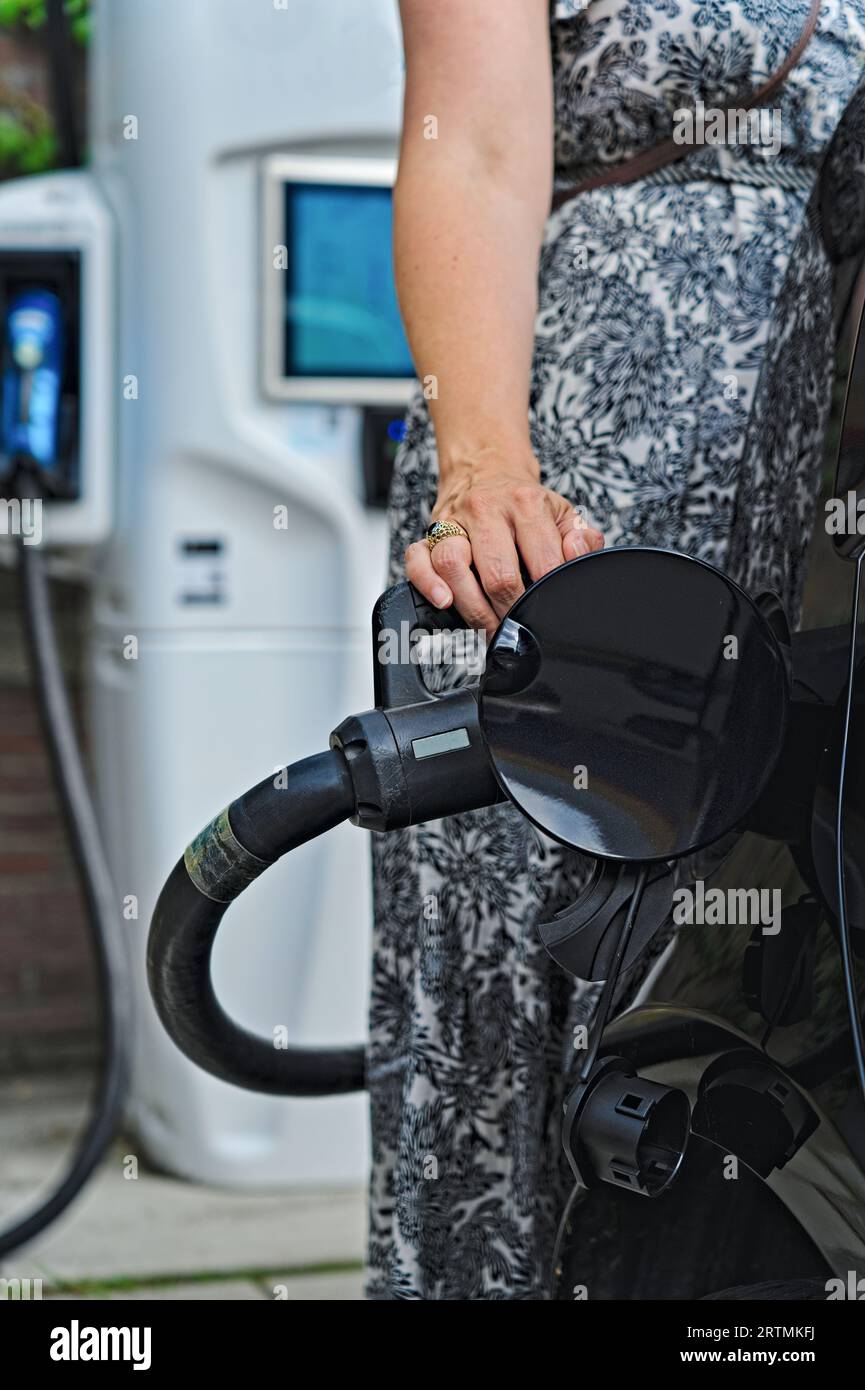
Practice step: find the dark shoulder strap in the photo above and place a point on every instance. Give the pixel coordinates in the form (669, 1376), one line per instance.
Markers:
(647, 161)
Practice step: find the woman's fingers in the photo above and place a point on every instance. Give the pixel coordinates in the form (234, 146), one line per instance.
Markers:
(538, 536)
(419, 570)
(549, 530)
(495, 558)
(452, 561)
(578, 537)
(513, 529)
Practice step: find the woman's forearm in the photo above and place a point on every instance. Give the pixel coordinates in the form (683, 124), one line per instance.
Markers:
(466, 249)
(470, 206)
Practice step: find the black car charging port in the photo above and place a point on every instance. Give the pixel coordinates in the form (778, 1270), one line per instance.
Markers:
(623, 1129)
(750, 1107)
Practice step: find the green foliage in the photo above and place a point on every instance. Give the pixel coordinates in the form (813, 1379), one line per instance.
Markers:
(27, 141)
(25, 148)
(31, 14)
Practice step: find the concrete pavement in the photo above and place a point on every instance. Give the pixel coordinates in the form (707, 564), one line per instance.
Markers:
(155, 1236)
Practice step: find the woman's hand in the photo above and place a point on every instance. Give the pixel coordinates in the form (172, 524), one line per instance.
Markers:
(468, 292)
(510, 519)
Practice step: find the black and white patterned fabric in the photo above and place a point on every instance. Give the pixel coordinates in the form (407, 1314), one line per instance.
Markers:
(680, 393)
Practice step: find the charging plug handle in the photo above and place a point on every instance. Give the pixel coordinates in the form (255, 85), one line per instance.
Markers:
(414, 759)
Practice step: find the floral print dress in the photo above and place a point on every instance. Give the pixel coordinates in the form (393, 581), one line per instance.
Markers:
(680, 391)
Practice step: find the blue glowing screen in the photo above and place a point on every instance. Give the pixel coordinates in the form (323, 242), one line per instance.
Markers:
(341, 314)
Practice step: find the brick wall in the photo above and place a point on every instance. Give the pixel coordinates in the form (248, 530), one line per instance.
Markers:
(48, 1007)
(23, 74)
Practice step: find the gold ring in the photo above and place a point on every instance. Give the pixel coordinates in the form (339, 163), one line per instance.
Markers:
(440, 530)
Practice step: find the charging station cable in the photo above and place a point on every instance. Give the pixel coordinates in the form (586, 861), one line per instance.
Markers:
(97, 888)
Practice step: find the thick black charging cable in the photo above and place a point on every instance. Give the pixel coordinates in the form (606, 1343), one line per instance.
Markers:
(92, 867)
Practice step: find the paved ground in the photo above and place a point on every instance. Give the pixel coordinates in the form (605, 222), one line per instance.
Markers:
(159, 1237)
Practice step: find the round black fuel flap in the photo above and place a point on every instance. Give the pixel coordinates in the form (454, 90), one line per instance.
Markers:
(635, 704)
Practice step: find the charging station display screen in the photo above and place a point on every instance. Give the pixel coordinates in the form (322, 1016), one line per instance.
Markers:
(341, 314)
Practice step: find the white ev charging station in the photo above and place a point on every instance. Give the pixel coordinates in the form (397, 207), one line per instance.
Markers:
(241, 371)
